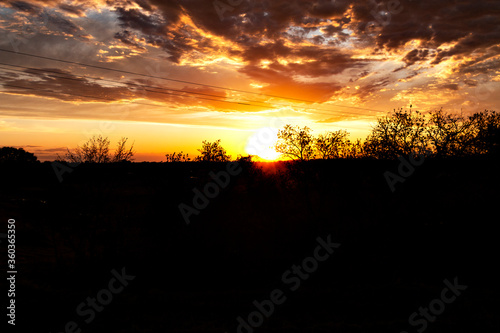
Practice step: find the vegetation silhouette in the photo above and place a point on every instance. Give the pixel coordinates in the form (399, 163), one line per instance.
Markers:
(212, 152)
(336, 144)
(16, 155)
(96, 150)
(177, 157)
(295, 142)
(401, 133)
(396, 248)
(398, 134)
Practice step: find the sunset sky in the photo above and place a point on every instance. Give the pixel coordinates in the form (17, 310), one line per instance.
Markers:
(227, 69)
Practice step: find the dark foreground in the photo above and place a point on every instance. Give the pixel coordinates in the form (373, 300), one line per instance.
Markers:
(107, 249)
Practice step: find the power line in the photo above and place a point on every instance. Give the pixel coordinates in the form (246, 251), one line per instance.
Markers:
(87, 96)
(58, 75)
(180, 81)
(80, 95)
(130, 83)
(77, 95)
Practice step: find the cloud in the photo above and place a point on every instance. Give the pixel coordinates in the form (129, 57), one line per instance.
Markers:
(281, 85)
(63, 85)
(415, 55)
(304, 49)
(77, 10)
(25, 7)
(128, 38)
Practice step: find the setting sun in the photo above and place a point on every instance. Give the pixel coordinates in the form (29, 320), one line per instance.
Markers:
(262, 144)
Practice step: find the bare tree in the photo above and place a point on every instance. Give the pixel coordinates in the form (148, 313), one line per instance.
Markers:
(295, 142)
(122, 153)
(96, 150)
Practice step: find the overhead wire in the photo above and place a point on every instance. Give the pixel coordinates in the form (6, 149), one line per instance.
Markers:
(266, 105)
(181, 81)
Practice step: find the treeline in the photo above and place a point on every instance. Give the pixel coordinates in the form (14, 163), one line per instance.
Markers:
(400, 133)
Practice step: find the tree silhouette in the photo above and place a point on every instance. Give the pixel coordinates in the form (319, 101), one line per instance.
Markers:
(122, 153)
(212, 152)
(354, 149)
(295, 142)
(450, 135)
(96, 150)
(401, 133)
(17, 155)
(486, 129)
(333, 145)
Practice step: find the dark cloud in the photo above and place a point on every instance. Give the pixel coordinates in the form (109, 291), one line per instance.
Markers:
(144, 5)
(135, 19)
(254, 53)
(415, 55)
(63, 85)
(25, 7)
(56, 83)
(328, 9)
(471, 24)
(271, 30)
(471, 82)
(370, 88)
(78, 10)
(59, 23)
(154, 30)
(282, 85)
(128, 38)
(484, 67)
(450, 86)
(282, 42)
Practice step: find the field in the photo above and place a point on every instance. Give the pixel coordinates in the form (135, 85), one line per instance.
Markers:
(393, 250)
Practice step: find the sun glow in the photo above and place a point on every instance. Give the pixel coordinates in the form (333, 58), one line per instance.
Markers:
(262, 143)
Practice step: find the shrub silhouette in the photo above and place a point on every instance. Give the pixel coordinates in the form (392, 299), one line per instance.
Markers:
(96, 150)
(122, 153)
(178, 157)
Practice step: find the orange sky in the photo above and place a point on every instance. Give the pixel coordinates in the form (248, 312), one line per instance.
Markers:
(328, 65)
